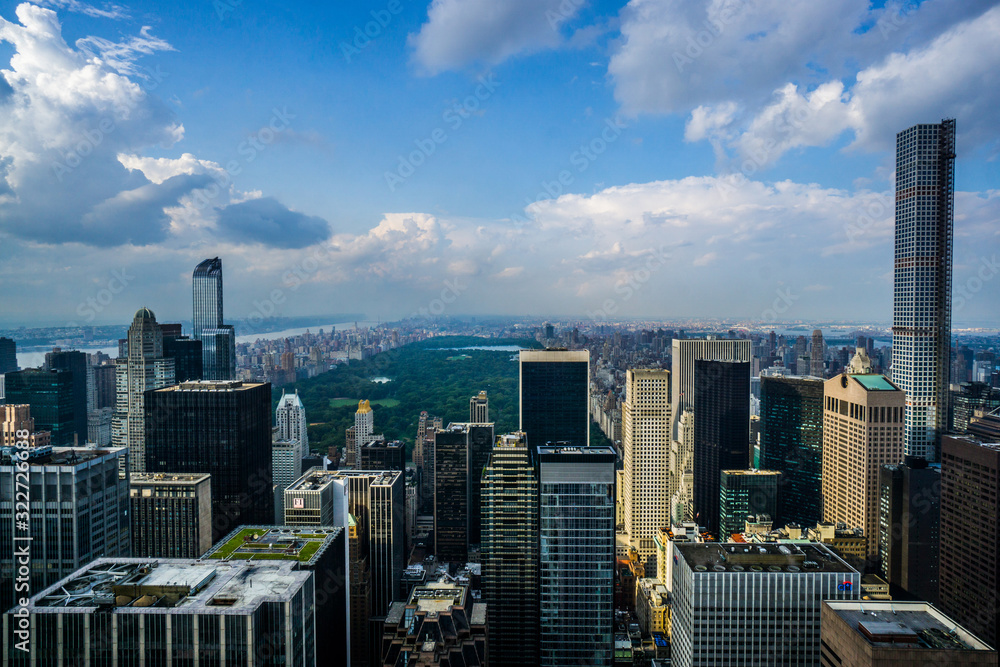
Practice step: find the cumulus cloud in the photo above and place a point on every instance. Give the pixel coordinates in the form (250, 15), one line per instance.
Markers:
(463, 32)
(267, 221)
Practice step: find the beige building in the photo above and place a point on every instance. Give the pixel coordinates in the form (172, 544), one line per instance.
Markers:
(652, 606)
(18, 418)
(646, 450)
(862, 431)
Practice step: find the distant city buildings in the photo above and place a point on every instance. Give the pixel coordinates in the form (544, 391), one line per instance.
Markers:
(8, 356)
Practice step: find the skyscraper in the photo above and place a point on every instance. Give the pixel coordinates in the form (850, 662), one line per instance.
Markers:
(451, 493)
(171, 514)
(51, 397)
(909, 527)
(218, 340)
(364, 428)
(291, 418)
(969, 397)
(186, 353)
(481, 441)
(921, 319)
(75, 363)
(577, 547)
(646, 450)
(479, 409)
(143, 368)
(791, 441)
(510, 552)
(862, 431)
(219, 428)
(743, 493)
(682, 381)
(721, 431)
(817, 355)
(555, 396)
(8, 355)
(378, 454)
(18, 418)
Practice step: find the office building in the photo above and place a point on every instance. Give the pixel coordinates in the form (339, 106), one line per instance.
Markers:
(479, 409)
(970, 533)
(554, 396)
(921, 319)
(79, 511)
(322, 551)
(219, 428)
(186, 352)
(142, 368)
(218, 340)
(17, 418)
(909, 528)
(896, 634)
(753, 604)
(481, 441)
(743, 493)
(76, 364)
(290, 416)
(791, 442)
(970, 398)
(862, 431)
(817, 355)
(105, 389)
(509, 553)
(646, 457)
(8, 356)
(171, 514)
(99, 427)
(53, 403)
(286, 467)
(441, 624)
(683, 389)
(378, 454)
(721, 431)
(451, 493)
(577, 555)
(364, 429)
(142, 611)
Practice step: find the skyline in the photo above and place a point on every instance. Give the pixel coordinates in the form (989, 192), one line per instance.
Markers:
(775, 177)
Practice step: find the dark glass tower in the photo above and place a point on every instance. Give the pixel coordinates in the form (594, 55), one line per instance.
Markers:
(909, 528)
(721, 431)
(555, 397)
(743, 493)
(8, 356)
(510, 552)
(481, 440)
(52, 400)
(451, 493)
(219, 428)
(76, 363)
(382, 455)
(921, 318)
(791, 440)
(218, 340)
(186, 353)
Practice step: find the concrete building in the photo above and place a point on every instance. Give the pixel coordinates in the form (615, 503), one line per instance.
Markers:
(166, 611)
(909, 528)
(652, 607)
(817, 367)
(921, 319)
(753, 605)
(554, 396)
(441, 624)
(644, 494)
(17, 418)
(743, 493)
(171, 514)
(290, 416)
(862, 431)
(890, 634)
(286, 467)
(79, 511)
(53, 401)
(364, 429)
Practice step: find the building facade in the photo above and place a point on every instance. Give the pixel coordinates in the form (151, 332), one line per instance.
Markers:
(290, 416)
(50, 395)
(743, 493)
(440, 624)
(921, 319)
(909, 528)
(479, 409)
(171, 515)
(554, 396)
(8, 356)
(218, 340)
(451, 493)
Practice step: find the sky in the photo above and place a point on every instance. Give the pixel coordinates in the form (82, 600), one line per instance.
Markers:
(650, 158)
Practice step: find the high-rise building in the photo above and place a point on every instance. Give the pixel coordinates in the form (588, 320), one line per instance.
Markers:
(577, 555)
(290, 416)
(171, 515)
(909, 528)
(683, 389)
(451, 493)
(753, 604)
(364, 428)
(481, 441)
(219, 428)
(381, 455)
(79, 511)
(53, 402)
(817, 355)
(186, 352)
(218, 340)
(721, 431)
(8, 356)
(509, 553)
(970, 533)
(105, 390)
(921, 320)
(76, 364)
(743, 493)
(17, 418)
(645, 493)
(791, 441)
(896, 634)
(862, 431)
(141, 369)
(970, 397)
(145, 611)
(479, 409)
(286, 467)
(555, 396)
(436, 610)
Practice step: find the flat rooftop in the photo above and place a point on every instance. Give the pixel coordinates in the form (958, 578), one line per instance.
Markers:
(289, 543)
(752, 471)
(438, 596)
(70, 456)
(171, 585)
(317, 478)
(734, 557)
(212, 385)
(875, 382)
(167, 478)
(917, 625)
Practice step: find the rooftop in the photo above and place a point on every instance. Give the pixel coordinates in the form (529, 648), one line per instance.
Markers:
(875, 382)
(167, 478)
(289, 543)
(66, 456)
(438, 596)
(211, 385)
(752, 471)
(765, 557)
(317, 478)
(905, 625)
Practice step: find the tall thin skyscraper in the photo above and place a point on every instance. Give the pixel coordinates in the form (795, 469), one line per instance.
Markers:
(364, 428)
(218, 340)
(8, 356)
(817, 355)
(451, 493)
(291, 417)
(555, 396)
(51, 397)
(143, 368)
(577, 542)
(74, 362)
(646, 445)
(921, 319)
(510, 552)
(479, 409)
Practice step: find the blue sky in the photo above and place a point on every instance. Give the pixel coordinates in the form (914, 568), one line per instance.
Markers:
(650, 158)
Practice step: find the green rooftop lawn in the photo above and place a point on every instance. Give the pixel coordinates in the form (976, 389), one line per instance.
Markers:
(232, 546)
(235, 543)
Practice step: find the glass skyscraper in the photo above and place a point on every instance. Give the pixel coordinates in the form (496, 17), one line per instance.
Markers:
(577, 555)
(555, 396)
(921, 320)
(218, 340)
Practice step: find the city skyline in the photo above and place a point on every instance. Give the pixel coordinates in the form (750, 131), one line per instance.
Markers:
(669, 187)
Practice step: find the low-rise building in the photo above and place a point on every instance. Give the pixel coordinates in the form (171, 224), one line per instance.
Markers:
(652, 607)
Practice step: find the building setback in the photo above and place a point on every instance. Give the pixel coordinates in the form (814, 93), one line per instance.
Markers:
(171, 515)
(441, 624)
